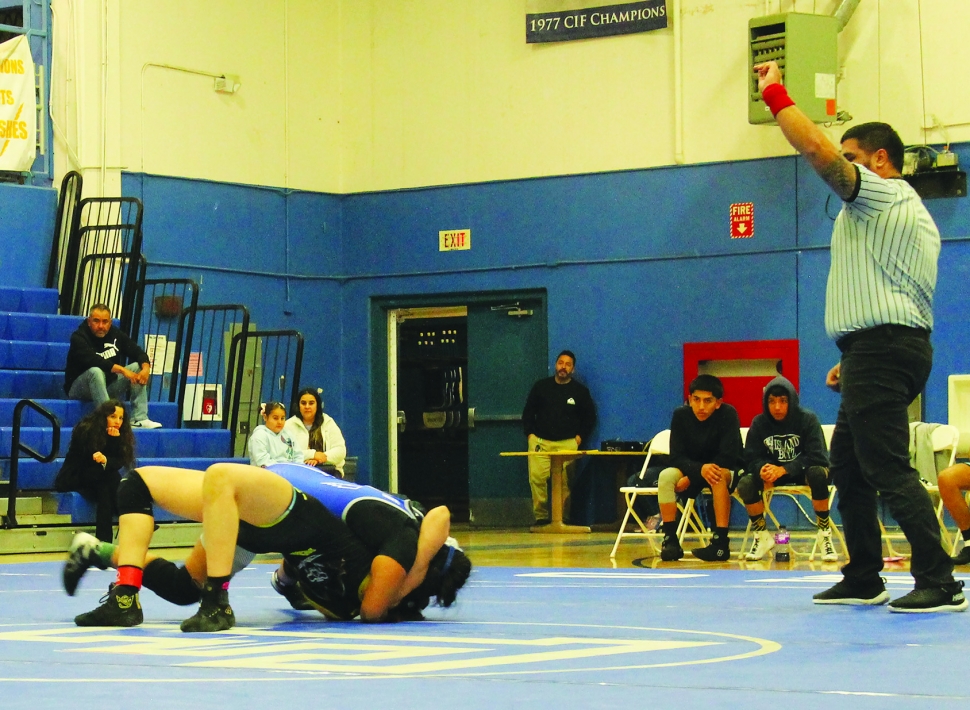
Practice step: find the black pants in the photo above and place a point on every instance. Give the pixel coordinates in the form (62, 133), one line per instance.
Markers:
(103, 492)
(882, 371)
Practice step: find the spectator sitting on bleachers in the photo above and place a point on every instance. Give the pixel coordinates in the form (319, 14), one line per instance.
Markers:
(97, 366)
(705, 452)
(785, 447)
(311, 429)
(101, 445)
(270, 444)
(953, 482)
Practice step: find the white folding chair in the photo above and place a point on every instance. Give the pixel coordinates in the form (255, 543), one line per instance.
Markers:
(945, 438)
(660, 444)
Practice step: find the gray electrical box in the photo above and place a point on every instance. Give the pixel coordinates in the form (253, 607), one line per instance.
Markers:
(806, 48)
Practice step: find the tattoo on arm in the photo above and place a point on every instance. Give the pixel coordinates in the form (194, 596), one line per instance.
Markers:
(840, 175)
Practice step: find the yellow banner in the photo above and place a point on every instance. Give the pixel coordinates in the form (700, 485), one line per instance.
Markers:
(18, 106)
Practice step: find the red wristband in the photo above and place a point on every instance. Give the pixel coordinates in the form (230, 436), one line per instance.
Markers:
(777, 98)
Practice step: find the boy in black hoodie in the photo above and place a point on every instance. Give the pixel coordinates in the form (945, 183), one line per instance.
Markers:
(785, 447)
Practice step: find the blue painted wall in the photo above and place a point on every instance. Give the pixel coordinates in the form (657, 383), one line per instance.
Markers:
(634, 263)
(27, 217)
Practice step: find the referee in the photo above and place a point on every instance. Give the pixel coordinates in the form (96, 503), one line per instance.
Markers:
(879, 311)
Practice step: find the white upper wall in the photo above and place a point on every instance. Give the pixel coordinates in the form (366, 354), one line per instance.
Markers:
(357, 95)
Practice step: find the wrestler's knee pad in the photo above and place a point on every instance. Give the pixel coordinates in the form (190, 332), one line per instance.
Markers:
(134, 496)
(818, 481)
(170, 582)
(666, 485)
(749, 490)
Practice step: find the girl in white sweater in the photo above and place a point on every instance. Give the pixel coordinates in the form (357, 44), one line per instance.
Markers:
(312, 430)
(270, 444)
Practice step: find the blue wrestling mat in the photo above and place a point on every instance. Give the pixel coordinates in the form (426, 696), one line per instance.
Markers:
(534, 638)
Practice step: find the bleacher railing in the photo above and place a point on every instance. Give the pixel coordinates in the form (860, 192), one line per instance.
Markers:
(17, 446)
(69, 198)
(203, 387)
(101, 279)
(104, 225)
(268, 364)
(157, 326)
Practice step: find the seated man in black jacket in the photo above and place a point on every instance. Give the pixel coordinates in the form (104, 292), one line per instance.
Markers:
(705, 452)
(98, 370)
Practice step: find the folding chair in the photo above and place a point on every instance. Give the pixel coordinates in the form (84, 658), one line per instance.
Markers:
(660, 444)
(690, 523)
(945, 438)
(794, 492)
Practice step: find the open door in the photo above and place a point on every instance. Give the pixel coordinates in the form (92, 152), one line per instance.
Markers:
(458, 376)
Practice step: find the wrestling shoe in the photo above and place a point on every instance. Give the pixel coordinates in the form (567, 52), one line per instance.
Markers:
(763, 542)
(823, 541)
(81, 555)
(291, 592)
(214, 613)
(844, 592)
(119, 607)
(717, 551)
(671, 549)
(948, 597)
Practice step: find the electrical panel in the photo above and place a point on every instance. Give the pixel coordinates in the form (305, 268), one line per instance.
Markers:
(806, 48)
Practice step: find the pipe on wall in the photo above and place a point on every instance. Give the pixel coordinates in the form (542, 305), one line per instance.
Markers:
(678, 86)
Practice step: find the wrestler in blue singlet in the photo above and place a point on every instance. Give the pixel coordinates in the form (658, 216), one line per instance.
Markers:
(336, 494)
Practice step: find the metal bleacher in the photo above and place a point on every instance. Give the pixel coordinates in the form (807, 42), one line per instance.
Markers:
(33, 351)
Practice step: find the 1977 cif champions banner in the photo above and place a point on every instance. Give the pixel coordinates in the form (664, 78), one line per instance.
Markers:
(18, 106)
(566, 20)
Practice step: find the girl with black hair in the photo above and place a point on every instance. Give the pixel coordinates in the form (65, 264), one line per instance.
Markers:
(311, 429)
(269, 444)
(101, 445)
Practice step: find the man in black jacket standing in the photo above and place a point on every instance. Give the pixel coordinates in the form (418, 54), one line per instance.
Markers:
(97, 366)
(559, 415)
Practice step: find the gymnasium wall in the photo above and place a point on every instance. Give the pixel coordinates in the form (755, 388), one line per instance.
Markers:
(635, 264)
(345, 96)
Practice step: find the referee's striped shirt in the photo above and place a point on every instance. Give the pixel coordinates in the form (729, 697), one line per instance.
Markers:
(885, 247)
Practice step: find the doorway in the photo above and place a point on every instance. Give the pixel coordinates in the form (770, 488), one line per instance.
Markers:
(458, 370)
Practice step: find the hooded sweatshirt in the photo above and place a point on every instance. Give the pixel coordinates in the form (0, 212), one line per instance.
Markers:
(795, 443)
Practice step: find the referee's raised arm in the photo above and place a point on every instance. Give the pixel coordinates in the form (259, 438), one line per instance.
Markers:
(828, 161)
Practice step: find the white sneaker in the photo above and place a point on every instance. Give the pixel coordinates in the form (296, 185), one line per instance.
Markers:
(146, 424)
(824, 543)
(763, 542)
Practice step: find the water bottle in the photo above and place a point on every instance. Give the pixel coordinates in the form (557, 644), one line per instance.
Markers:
(782, 548)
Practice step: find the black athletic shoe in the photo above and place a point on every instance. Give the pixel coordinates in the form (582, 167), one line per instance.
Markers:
(948, 597)
(963, 557)
(120, 607)
(855, 595)
(671, 549)
(82, 554)
(292, 593)
(214, 614)
(715, 552)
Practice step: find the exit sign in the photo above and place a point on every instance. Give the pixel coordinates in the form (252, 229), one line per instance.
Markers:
(454, 239)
